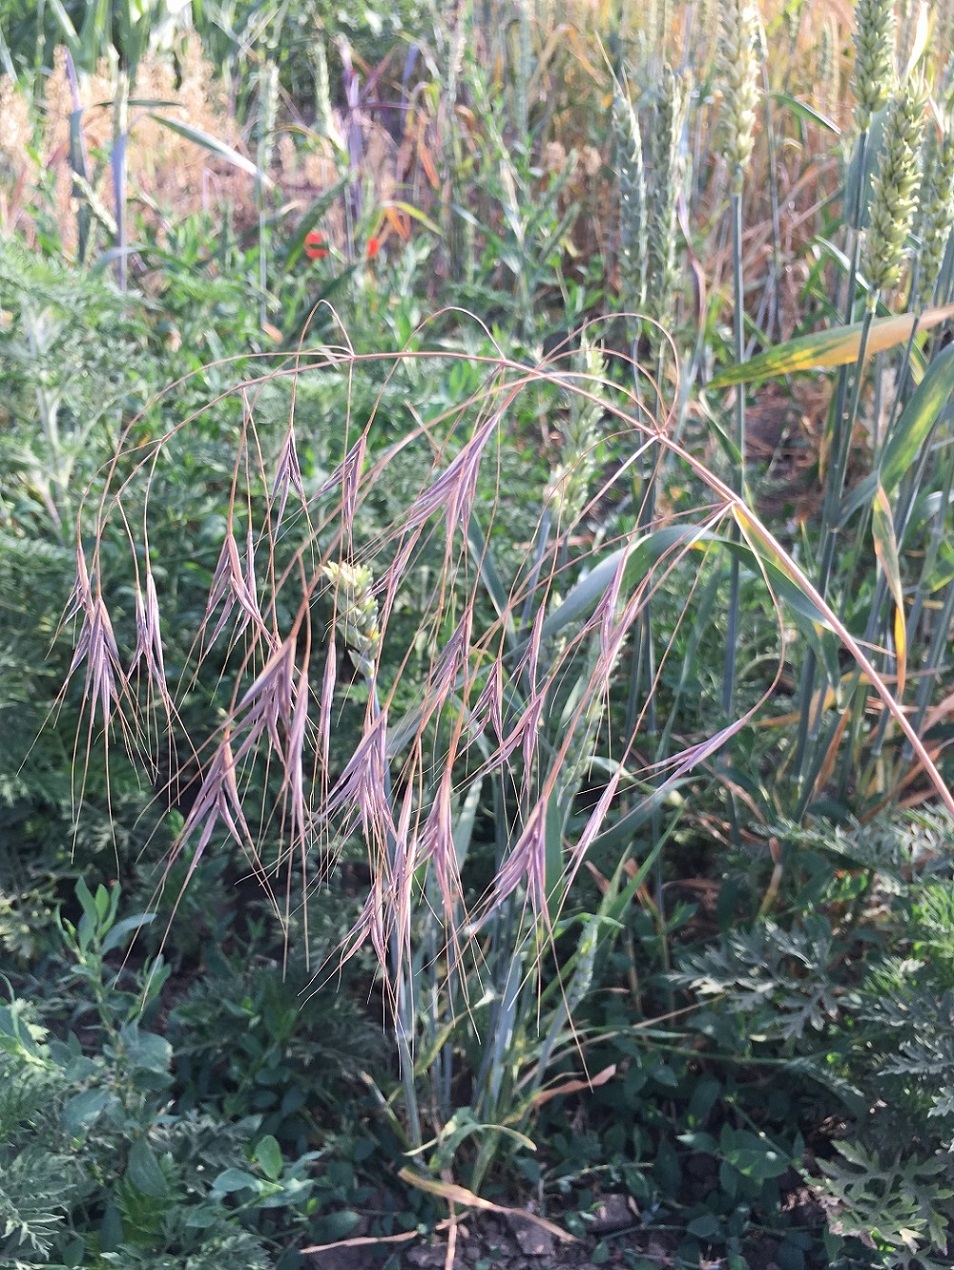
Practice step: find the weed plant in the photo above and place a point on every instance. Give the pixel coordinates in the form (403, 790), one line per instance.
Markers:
(473, 625)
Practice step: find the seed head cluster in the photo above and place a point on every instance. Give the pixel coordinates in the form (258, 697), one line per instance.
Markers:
(632, 204)
(895, 190)
(738, 77)
(874, 57)
(937, 215)
(357, 613)
(569, 484)
(666, 179)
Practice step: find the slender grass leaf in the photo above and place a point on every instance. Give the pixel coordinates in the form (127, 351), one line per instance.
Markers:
(97, 32)
(826, 248)
(919, 43)
(859, 177)
(315, 310)
(639, 557)
(68, 31)
(801, 110)
(152, 102)
(886, 549)
(917, 419)
(416, 214)
(624, 830)
(489, 576)
(214, 146)
(296, 244)
(464, 828)
(555, 874)
(908, 435)
(762, 553)
(454, 1194)
(836, 347)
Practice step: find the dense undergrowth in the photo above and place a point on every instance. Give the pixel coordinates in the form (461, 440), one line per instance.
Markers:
(475, 500)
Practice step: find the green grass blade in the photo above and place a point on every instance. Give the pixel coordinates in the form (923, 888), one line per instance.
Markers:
(908, 435)
(214, 146)
(917, 419)
(801, 110)
(639, 557)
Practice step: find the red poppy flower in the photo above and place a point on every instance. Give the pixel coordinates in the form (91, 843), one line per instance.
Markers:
(316, 245)
(374, 246)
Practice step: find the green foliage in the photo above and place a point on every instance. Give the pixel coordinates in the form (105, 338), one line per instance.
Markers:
(96, 1169)
(865, 1011)
(901, 1208)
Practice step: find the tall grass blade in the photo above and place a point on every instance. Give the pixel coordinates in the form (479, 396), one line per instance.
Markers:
(835, 347)
(886, 549)
(215, 146)
(908, 435)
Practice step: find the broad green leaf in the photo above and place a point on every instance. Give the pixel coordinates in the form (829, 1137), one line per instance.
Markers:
(231, 1180)
(144, 1171)
(119, 932)
(111, 1229)
(102, 902)
(269, 1155)
(835, 347)
(83, 1109)
(88, 904)
(708, 1226)
(147, 1051)
(886, 549)
(214, 145)
(335, 1226)
(757, 1163)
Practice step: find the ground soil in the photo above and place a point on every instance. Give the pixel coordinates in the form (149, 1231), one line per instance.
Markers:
(511, 1241)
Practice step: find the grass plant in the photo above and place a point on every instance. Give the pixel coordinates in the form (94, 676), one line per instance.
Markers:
(436, 582)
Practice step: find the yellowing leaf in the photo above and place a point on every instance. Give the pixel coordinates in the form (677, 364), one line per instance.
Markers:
(886, 549)
(835, 347)
(455, 1194)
